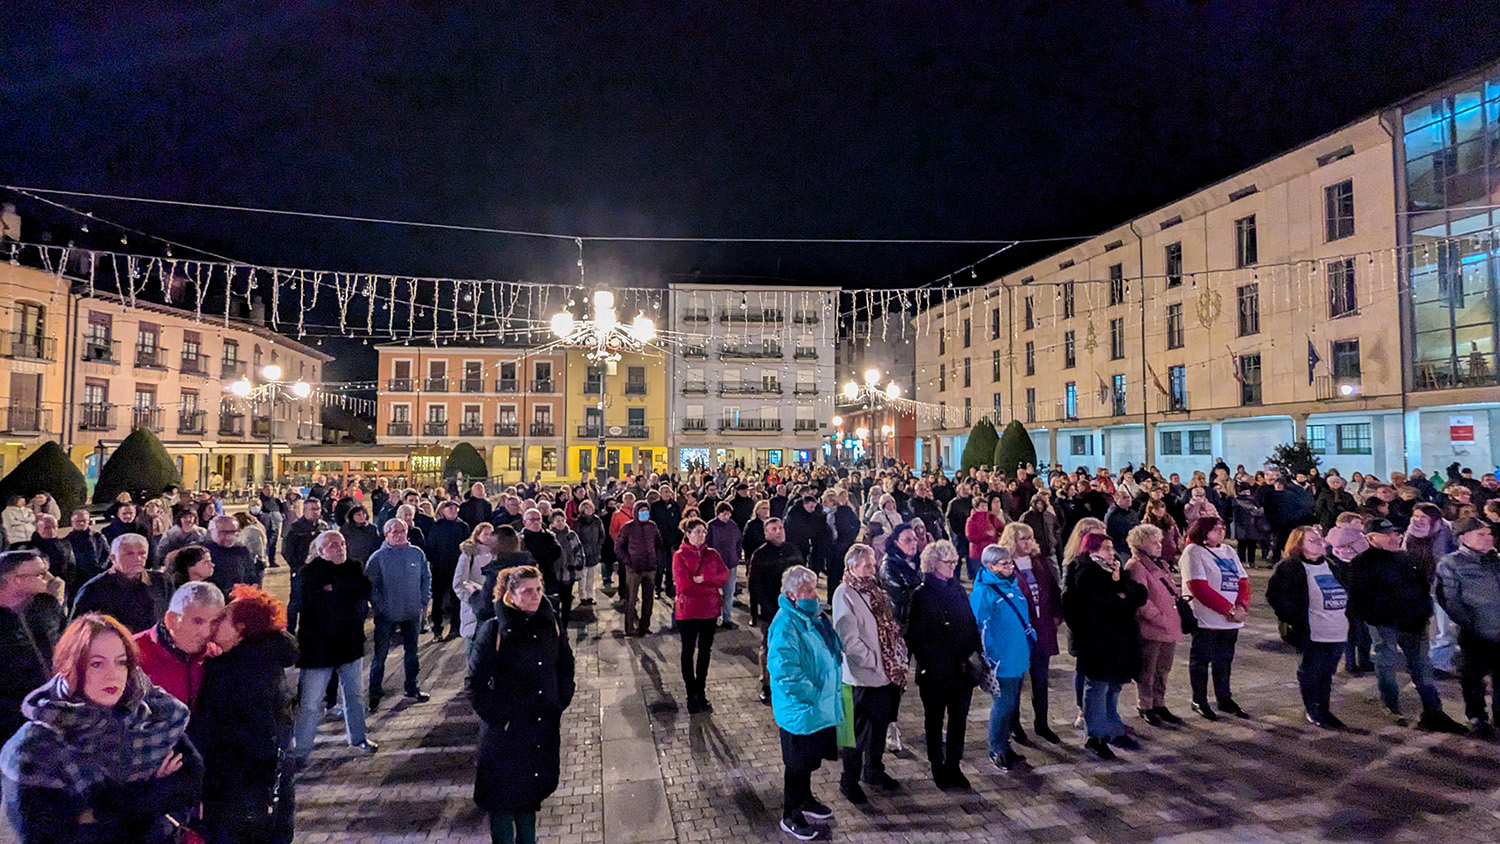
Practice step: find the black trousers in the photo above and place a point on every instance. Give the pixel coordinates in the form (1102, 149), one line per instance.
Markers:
(875, 709)
(697, 646)
(564, 603)
(950, 701)
(1479, 662)
(444, 600)
(1212, 652)
(800, 756)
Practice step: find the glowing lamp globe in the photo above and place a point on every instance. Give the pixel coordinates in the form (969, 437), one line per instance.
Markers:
(872, 376)
(642, 329)
(242, 387)
(837, 421)
(272, 372)
(562, 324)
(851, 391)
(893, 390)
(301, 389)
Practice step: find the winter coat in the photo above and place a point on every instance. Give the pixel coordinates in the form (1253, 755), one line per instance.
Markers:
(999, 605)
(1157, 618)
(941, 633)
(980, 531)
(638, 546)
(64, 738)
(859, 634)
(571, 561)
(1387, 589)
(27, 639)
(522, 670)
(1101, 615)
(845, 533)
(1197, 508)
(233, 564)
(1046, 529)
(90, 557)
(726, 538)
(803, 655)
(176, 538)
(400, 582)
(1330, 504)
(475, 510)
(698, 600)
(443, 541)
(136, 602)
(1468, 588)
(483, 604)
(1289, 507)
(755, 536)
(767, 565)
(931, 514)
(1287, 594)
(810, 535)
(1045, 602)
(179, 674)
(590, 532)
(667, 515)
(334, 601)
(958, 512)
(1248, 519)
(468, 581)
(900, 575)
(296, 541)
(361, 540)
(19, 523)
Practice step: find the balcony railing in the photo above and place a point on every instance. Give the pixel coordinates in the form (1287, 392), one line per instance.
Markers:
(435, 385)
(25, 419)
(435, 428)
(752, 353)
(1062, 412)
(471, 429)
(96, 350)
(752, 315)
(749, 388)
(1173, 403)
(18, 344)
(805, 390)
(593, 386)
(694, 426)
(194, 364)
(1117, 404)
(635, 388)
(398, 429)
(400, 385)
(231, 424)
(806, 317)
(695, 353)
(543, 385)
(471, 385)
(805, 353)
(261, 427)
(150, 357)
(192, 422)
(768, 426)
(695, 388)
(96, 417)
(1329, 388)
(543, 429)
(695, 315)
(231, 370)
(311, 431)
(146, 417)
(507, 429)
(507, 385)
(626, 432)
(805, 425)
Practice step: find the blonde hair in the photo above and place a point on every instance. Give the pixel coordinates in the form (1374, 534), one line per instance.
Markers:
(1141, 534)
(1013, 534)
(1085, 526)
(937, 552)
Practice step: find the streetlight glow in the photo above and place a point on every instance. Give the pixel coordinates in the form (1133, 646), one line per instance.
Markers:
(603, 301)
(885, 429)
(272, 372)
(242, 387)
(642, 329)
(862, 433)
(851, 391)
(837, 421)
(893, 390)
(562, 324)
(301, 389)
(872, 376)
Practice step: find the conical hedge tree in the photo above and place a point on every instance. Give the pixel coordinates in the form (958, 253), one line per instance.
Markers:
(140, 466)
(1014, 450)
(981, 446)
(465, 460)
(47, 469)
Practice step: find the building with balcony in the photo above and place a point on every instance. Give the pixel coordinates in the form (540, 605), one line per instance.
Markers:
(633, 419)
(506, 401)
(1344, 292)
(753, 377)
(889, 433)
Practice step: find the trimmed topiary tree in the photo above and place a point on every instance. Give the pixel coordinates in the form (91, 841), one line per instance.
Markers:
(47, 469)
(1014, 450)
(981, 446)
(140, 466)
(465, 460)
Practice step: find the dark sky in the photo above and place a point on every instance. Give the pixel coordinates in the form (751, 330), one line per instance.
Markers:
(915, 119)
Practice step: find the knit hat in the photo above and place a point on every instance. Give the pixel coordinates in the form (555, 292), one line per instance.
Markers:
(1465, 525)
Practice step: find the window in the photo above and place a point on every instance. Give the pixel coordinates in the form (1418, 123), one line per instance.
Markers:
(1080, 444)
(145, 396)
(968, 332)
(994, 323)
(1067, 297)
(995, 365)
(437, 413)
(231, 352)
(968, 411)
(1030, 358)
(472, 417)
(1171, 442)
(1345, 364)
(1030, 404)
(1174, 326)
(968, 375)
(942, 377)
(516, 458)
(1116, 284)
(1353, 438)
(593, 381)
(635, 381)
(1317, 439)
(585, 461)
(99, 330)
(189, 404)
(995, 403)
(1338, 209)
(942, 341)
(192, 344)
(1070, 358)
(543, 372)
(1245, 252)
(593, 420)
(1030, 312)
(1199, 442)
(942, 414)
(1117, 396)
(1342, 298)
(635, 418)
(1250, 379)
(401, 413)
(1117, 338)
(1174, 264)
(1248, 298)
(1070, 400)
(549, 459)
(1177, 386)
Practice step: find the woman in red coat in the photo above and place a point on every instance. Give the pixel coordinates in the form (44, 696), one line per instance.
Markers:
(700, 575)
(981, 532)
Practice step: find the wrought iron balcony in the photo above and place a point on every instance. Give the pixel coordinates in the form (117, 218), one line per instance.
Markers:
(626, 432)
(471, 385)
(695, 353)
(543, 429)
(99, 350)
(772, 352)
(695, 388)
(507, 385)
(435, 428)
(805, 353)
(401, 385)
(150, 357)
(398, 429)
(805, 389)
(507, 429)
(96, 417)
(695, 315)
(231, 424)
(471, 429)
(25, 419)
(805, 425)
(543, 385)
(750, 388)
(435, 385)
(192, 421)
(695, 426)
(806, 317)
(635, 388)
(146, 417)
(231, 370)
(19, 344)
(194, 364)
(764, 426)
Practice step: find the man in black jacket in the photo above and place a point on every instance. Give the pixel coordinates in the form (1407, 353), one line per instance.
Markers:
(959, 510)
(543, 548)
(31, 621)
(448, 532)
(1333, 500)
(136, 597)
(807, 531)
(666, 514)
(1389, 592)
(743, 504)
(233, 562)
(297, 542)
(925, 507)
(476, 508)
(767, 564)
(333, 601)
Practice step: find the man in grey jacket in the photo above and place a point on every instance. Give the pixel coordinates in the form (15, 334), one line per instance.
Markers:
(400, 588)
(1468, 587)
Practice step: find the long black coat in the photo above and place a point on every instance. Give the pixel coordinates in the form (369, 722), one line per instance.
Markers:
(1101, 614)
(941, 633)
(27, 639)
(333, 601)
(240, 719)
(520, 688)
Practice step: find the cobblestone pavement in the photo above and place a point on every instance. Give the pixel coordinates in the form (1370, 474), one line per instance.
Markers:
(638, 770)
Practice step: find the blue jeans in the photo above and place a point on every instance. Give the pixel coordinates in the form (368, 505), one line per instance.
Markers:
(729, 595)
(1101, 709)
(1003, 708)
(311, 684)
(1413, 646)
(1315, 675)
(384, 627)
(1357, 650)
(1444, 645)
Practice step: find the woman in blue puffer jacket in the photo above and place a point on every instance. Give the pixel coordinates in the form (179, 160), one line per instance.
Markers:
(1000, 608)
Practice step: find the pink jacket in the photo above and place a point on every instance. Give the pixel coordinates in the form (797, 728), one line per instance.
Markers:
(698, 600)
(980, 531)
(1158, 618)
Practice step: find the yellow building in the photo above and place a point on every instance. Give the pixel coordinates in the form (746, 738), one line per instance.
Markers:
(35, 310)
(633, 421)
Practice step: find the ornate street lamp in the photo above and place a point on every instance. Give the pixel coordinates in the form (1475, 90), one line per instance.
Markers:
(603, 338)
(271, 389)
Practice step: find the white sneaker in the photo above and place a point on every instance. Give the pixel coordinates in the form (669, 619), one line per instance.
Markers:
(893, 738)
(1078, 722)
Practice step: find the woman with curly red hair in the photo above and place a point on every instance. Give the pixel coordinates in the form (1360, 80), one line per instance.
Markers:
(241, 724)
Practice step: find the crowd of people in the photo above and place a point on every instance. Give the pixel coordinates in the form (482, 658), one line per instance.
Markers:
(156, 625)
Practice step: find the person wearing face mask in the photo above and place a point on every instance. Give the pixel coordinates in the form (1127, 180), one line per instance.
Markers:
(103, 756)
(999, 606)
(334, 601)
(173, 651)
(1100, 606)
(1468, 587)
(1309, 601)
(636, 547)
(522, 670)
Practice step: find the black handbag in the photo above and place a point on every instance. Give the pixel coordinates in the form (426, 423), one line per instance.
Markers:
(1184, 610)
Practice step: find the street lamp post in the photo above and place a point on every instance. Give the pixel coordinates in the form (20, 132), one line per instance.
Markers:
(271, 390)
(603, 337)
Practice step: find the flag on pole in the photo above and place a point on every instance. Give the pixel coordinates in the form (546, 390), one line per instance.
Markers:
(1312, 360)
(1103, 390)
(1155, 380)
(1234, 359)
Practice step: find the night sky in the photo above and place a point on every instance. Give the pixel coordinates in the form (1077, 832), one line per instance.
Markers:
(890, 120)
